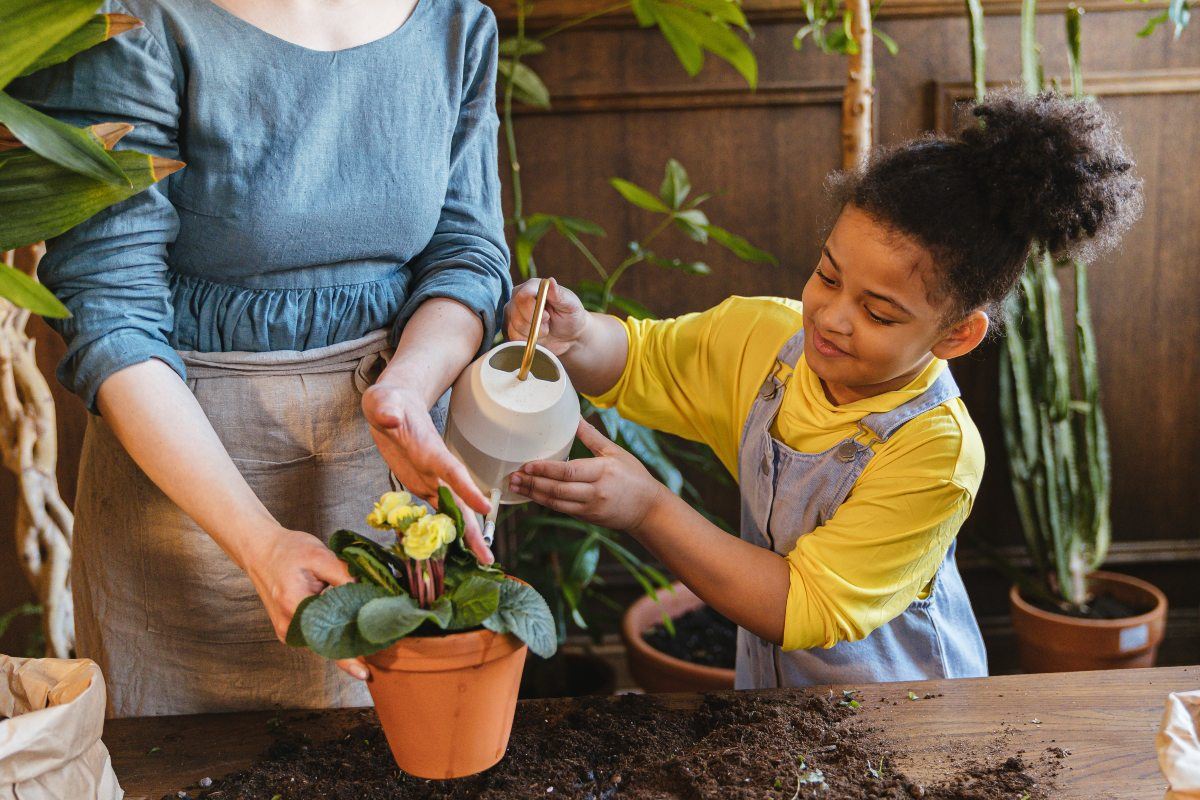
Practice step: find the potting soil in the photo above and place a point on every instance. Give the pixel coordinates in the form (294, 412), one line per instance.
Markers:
(782, 746)
(702, 636)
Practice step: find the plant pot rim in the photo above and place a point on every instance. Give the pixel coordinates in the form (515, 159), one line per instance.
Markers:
(421, 653)
(1099, 576)
(632, 636)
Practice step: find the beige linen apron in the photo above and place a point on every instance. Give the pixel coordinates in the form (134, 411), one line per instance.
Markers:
(175, 625)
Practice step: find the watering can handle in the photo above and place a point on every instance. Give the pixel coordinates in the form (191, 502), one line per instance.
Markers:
(535, 326)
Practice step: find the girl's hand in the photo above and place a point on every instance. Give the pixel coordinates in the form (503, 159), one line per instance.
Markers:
(613, 489)
(411, 446)
(287, 567)
(563, 324)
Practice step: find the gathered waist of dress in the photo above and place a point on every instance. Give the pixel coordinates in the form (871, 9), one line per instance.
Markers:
(213, 317)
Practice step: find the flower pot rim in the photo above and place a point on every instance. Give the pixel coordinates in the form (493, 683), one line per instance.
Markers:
(1103, 576)
(478, 645)
(632, 636)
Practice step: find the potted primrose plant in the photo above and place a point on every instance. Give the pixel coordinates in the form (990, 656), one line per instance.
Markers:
(444, 637)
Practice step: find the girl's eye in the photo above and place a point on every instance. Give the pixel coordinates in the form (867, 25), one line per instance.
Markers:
(825, 279)
(880, 320)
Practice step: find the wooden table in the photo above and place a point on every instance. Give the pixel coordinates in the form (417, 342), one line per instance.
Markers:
(1106, 720)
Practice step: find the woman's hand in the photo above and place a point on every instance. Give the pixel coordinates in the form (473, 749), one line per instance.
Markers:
(287, 567)
(613, 489)
(563, 325)
(412, 447)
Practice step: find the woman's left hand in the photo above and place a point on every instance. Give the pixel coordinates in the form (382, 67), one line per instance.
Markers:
(412, 447)
(613, 489)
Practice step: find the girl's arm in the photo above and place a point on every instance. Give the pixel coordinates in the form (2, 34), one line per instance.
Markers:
(161, 425)
(746, 583)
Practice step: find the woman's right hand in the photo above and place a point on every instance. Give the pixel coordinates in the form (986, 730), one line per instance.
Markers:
(563, 324)
(288, 566)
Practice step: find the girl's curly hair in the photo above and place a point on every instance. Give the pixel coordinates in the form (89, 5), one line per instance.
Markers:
(1040, 168)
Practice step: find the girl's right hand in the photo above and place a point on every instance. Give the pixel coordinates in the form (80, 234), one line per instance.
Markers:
(288, 566)
(563, 324)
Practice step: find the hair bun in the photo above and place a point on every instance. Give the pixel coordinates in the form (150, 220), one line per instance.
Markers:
(1053, 170)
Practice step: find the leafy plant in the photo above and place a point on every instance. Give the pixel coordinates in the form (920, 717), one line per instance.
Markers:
(53, 175)
(835, 37)
(562, 554)
(426, 583)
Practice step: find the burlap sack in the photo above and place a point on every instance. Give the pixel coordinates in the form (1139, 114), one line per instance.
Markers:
(51, 718)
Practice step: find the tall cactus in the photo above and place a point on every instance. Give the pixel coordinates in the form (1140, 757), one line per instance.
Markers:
(1050, 395)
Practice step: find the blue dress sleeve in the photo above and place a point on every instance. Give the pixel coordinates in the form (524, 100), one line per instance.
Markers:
(467, 259)
(110, 271)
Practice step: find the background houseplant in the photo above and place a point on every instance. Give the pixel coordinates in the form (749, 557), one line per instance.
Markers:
(444, 636)
(1058, 450)
(52, 177)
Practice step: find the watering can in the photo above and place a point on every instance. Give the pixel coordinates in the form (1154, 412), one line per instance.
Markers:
(512, 405)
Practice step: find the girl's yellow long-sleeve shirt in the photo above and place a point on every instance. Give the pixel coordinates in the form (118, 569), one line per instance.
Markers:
(697, 376)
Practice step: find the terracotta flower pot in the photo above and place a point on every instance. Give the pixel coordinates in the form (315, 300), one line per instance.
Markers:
(446, 703)
(654, 670)
(1050, 642)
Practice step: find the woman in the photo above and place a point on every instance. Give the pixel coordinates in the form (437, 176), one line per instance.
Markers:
(232, 324)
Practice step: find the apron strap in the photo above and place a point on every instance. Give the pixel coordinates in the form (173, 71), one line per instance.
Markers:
(885, 423)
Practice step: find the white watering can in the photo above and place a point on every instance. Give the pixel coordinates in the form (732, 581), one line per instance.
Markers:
(512, 405)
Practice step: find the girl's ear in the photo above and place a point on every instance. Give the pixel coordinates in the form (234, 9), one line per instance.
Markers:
(962, 337)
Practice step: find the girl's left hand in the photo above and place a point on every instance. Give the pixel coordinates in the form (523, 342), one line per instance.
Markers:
(613, 489)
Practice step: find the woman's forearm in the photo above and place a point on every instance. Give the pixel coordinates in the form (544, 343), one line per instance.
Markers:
(746, 583)
(161, 425)
(437, 344)
(596, 362)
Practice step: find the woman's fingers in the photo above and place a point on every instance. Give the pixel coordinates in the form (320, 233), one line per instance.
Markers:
(354, 667)
(561, 491)
(473, 537)
(594, 440)
(583, 470)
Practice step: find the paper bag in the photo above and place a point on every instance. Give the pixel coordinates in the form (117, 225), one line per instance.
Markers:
(51, 718)
(1178, 744)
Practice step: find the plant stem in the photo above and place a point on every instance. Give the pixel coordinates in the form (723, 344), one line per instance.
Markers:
(514, 162)
(1030, 72)
(580, 20)
(629, 261)
(978, 48)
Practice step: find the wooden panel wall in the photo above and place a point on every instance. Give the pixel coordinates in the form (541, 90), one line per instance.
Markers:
(623, 105)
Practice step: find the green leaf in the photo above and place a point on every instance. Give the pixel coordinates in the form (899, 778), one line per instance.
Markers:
(511, 46)
(723, 11)
(100, 28)
(385, 620)
(578, 225)
(330, 622)
(584, 563)
(473, 600)
(739, 246)
(638, 196)
(523, 613)
(77, 149)
(693, 222)
(527, 86)
(675, 184)
(40, 199)
(295, 634)
(447, 506)
(1152, 24)
(888, 42)
(712, 36)
(690, 267)
(686, 48)
(590, 293)
(641, 10)
(23, 291)
(31, 27)
(365, 565)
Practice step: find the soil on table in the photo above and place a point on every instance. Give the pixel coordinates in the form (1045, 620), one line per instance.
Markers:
(702, 636)
(782, 746)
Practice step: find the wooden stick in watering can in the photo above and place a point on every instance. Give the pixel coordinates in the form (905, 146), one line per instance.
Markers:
(535, 327)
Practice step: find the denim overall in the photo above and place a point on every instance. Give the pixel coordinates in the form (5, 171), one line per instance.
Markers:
(786, 494)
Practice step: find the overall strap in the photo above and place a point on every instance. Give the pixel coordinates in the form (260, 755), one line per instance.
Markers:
(884, 423)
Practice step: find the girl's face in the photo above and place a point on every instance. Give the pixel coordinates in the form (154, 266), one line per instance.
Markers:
(870, 323)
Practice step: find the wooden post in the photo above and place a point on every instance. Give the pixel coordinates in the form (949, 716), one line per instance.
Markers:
(29, 448)
(858, 100)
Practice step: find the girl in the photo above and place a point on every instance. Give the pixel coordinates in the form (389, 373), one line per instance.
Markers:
(857, 462)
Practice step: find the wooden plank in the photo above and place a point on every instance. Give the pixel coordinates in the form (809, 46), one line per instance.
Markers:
(1106, 720)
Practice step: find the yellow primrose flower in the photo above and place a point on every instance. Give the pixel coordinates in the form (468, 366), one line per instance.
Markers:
(423, 538)
(445, 526)
(388, 502)
(401, 517)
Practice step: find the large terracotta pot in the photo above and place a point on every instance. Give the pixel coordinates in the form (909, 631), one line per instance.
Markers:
(654, 670)
(1050, 642)
(446, 703)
